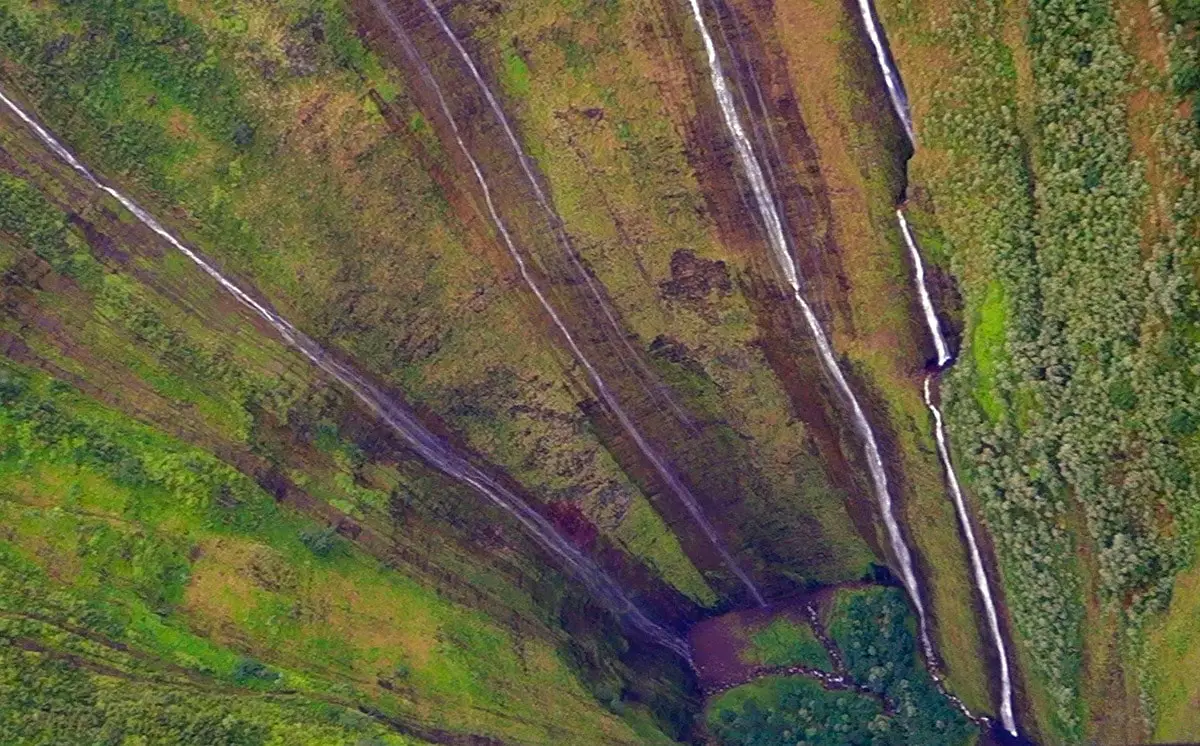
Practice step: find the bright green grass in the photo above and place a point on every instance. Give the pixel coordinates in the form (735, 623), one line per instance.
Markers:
(515, 71)
(644, 534)
(127, 519)
(786, 643)
(987, 348)
(1173, 644)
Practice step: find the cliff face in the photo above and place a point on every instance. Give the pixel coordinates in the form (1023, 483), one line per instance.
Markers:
(564, 402)
(539, 243)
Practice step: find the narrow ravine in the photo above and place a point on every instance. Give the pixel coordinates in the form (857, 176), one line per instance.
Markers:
(896, 95)
(664, 471)
(895, 88)
(982, 583)
(891, 76)
(781, 249)
(428, 446)
(927, 310)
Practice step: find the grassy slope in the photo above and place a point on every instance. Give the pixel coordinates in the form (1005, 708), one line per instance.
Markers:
(831, 75)
(601, 103)
(169, 349)
(1173, 657)
(296, 160)
(787, 643)
(199, 570)
(587, 58)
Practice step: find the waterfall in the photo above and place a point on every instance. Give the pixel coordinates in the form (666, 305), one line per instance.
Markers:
(891, 77)
(899, 101)
(781, 250)
(931, 320)
(674, 484)
(432, 449)
(982, 583)
(981, 578)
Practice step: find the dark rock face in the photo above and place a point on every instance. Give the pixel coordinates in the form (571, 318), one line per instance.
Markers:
(694, 278)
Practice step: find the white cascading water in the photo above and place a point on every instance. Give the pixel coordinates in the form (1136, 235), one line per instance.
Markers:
(931, 320)
(783, 256)
(664, 471)
(981, 578)
(982, 583)
(431, 448)
(891, 78)
(899, 101)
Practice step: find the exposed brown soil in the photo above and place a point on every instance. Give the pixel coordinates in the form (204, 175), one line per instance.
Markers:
(718, 643)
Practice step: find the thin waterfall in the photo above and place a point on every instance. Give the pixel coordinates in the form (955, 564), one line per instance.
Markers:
(981, 578)
(781, 250)
(931, 320)
(432, 449)
(891, 77)
(982, 583)
(657, 390)
(899, 101)
(602, 390)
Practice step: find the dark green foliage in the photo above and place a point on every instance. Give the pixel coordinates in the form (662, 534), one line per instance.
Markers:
(26, 215)
(249, 670)
(789, 711)
(80, 72)
(873, 629)
(322, 542)
(1095, 374)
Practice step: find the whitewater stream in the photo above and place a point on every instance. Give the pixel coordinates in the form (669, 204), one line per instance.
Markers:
(781, 249)
(982, 583)
(665, 472)
(931, 320)
(895, 89)
(432, 449)
(891, 77)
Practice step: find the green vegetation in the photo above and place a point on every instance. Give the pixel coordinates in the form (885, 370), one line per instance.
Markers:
(987, 346)
(603, 110)
(787, 711)
(1072, 231)
(786, 643)
(874, 630)
(232, 523)
(1173, 646)
(262, 202)
(166, 554)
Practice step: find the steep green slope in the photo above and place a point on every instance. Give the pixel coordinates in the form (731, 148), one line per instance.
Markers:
(296, 144)
(298, 160)
(358, 577)
(130, 557)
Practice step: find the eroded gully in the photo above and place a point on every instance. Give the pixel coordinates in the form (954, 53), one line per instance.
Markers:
(659, 464)
(428, 446)
(761, 183)
(983, 585)
(781, 250)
